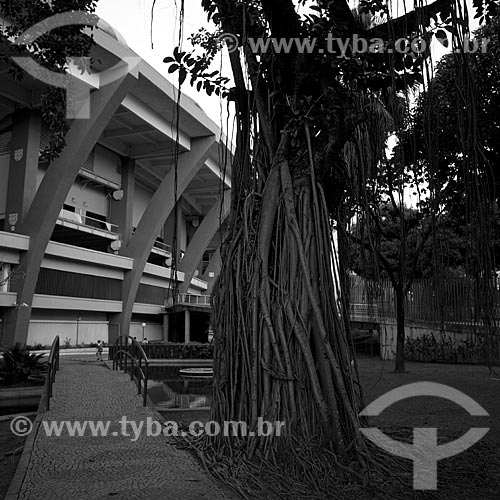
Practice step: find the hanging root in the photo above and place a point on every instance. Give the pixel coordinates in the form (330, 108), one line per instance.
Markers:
(282, 354)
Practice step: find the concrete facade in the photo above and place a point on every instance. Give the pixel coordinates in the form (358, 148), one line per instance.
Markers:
(89, 240)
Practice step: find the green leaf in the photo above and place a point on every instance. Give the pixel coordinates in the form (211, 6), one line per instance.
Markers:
(182, 75)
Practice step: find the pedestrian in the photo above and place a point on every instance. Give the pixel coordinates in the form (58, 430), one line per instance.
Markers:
(145, 341)
(99, 350)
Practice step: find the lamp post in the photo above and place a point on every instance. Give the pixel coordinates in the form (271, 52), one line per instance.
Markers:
(77, 329)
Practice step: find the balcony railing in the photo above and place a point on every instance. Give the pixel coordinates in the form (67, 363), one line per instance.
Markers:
(88, 224)
(189, 299)
(161, 248)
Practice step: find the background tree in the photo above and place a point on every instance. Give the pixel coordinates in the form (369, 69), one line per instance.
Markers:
(389, 238)
(463, 155)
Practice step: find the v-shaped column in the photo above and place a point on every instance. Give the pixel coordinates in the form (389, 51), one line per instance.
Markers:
(203, 236)
(44, 210)
(161, 205)
(213, 269)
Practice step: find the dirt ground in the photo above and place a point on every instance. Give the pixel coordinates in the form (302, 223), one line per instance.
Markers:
(473, 474)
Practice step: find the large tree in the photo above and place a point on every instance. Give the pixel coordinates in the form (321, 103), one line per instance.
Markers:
(311, 133)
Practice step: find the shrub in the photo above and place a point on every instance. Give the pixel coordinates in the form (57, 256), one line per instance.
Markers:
(18, 364)
(428, 349)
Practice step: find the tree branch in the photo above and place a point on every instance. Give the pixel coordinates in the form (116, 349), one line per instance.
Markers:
(378, 253)
(282, 18)
(411, 22)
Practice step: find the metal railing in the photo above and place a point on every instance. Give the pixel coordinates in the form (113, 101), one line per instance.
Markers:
(87, 222)
(126, 350)
(53, 367)
(188, 298)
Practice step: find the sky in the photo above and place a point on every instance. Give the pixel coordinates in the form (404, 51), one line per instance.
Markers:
(132, 18)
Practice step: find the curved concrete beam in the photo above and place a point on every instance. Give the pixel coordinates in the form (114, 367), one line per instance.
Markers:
(161, 205)
(214, 266)
(42, 215)
(203, 236)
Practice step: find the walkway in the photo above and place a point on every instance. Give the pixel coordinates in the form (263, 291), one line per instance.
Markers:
(91, 468)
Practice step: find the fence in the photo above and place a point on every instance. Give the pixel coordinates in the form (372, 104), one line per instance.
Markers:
(446, 301)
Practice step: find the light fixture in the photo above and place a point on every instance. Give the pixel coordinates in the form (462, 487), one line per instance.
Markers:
(115, 245)
(195, 221)
(118, 194)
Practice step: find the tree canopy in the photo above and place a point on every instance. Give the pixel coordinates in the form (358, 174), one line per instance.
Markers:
(51, 50)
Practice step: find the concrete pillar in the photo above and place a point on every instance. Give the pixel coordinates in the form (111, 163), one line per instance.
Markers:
(113, 327)
(187, 326)
(122, 210)
(213, 270)
(23, 167)
(181, 231)
(166, 328)
(160, 206)
(168, 229)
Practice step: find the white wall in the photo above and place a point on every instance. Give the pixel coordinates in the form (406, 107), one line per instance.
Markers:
(107, 164)
(151, 331)
(43, 332)
(86, 197)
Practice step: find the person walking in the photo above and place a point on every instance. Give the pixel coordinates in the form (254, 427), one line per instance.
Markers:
(99, 350)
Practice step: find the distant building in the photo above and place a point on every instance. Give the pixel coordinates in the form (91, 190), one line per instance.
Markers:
(86, 246)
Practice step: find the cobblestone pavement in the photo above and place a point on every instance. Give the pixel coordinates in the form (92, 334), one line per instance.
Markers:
(92, 468)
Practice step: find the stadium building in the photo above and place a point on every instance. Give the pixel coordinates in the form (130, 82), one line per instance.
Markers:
(87, 241)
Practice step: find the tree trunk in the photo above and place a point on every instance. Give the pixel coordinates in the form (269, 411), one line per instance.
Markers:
(400, 320)
(282, 351)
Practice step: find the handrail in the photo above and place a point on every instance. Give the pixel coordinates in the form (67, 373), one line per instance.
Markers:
(126, 348)
(53, 367)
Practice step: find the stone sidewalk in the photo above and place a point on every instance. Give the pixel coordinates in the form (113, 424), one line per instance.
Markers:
(92, 468)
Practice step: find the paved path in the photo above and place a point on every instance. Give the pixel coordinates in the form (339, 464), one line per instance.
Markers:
(92, 468)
